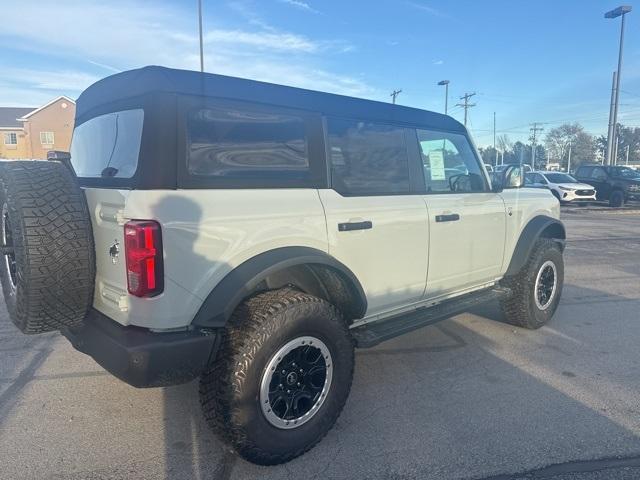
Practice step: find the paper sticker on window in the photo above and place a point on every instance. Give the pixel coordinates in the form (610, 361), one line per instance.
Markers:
(436, 162)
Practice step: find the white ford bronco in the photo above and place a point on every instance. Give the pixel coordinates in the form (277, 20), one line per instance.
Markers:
(252, 235)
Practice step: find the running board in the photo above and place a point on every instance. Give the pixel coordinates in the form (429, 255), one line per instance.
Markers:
(371, 334)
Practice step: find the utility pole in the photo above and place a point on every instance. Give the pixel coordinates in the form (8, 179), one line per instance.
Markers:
(446, 94)
(615, 145)
(617, 12)
(394, 94)
(494, 130)
(611, 130)
(627, 162)
(534, 131)
(466, 105)
(200, 29)
(569, 161)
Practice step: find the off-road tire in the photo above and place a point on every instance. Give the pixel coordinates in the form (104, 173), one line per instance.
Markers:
(54, 274)
(229, 389)
(616, 199)
(520, 307)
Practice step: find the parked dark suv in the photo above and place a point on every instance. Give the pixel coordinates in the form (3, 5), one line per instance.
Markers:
(615, 184)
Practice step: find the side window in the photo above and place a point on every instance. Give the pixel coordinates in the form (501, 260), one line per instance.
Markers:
(367, 158)
(531, 178)
(599, 174)
(584, 172)
(449, 163)
(243, 143)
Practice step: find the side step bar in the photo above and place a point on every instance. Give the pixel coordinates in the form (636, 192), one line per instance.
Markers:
(371, 334)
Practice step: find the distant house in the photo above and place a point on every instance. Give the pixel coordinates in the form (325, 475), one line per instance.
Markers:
(29, 133)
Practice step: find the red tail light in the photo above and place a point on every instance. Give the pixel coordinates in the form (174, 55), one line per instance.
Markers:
(143, 250)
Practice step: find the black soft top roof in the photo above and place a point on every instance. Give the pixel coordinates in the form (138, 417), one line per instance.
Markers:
(154, 79)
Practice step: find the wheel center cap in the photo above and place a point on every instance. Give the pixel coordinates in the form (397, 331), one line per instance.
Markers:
(292, 378)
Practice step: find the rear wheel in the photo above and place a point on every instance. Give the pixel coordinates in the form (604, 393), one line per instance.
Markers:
(537, 288)
(616, 199)
(281, 377)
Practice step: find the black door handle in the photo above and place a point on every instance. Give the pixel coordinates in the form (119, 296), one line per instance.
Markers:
(453, 217)
(349, 226)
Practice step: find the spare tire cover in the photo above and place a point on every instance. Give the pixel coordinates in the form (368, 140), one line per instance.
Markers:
(47, 257)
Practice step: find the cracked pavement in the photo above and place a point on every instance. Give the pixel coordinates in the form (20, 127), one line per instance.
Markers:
(468, 398)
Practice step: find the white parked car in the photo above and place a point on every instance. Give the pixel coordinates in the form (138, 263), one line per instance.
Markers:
(562, 185)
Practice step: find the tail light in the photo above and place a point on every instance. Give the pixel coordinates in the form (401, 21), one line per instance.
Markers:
(143, 251)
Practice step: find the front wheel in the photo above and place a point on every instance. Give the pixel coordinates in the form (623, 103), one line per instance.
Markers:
(616, 199)
(281, 377)
(536, 289)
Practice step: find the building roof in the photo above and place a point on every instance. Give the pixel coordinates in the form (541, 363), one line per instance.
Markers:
(160, 80)
(36, 110)
(9, 116)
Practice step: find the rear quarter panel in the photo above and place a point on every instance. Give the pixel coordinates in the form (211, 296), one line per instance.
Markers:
(207, 233)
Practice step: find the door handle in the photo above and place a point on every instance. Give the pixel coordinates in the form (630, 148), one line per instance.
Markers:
(452, 217)
(349, 226)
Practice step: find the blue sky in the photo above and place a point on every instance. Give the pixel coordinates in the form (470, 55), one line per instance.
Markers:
(544, 61)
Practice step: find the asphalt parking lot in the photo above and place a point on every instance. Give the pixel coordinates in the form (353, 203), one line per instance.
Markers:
(469, 398)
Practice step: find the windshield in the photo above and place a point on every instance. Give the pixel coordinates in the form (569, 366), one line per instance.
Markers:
(560, 178)
(108, 145)
(625, 172)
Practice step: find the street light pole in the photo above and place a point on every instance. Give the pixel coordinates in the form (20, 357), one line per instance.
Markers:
(618, 12)
(200, 31)
(446, 94)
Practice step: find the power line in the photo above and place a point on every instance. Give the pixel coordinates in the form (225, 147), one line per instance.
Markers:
(466, 105)
(394, 94)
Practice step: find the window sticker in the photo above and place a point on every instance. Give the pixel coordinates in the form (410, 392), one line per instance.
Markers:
(436, 161)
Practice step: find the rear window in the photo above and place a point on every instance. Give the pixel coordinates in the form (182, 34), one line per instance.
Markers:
(108, 145)
(239, 142)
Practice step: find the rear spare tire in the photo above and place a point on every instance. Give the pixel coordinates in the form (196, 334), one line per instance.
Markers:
(47, 262)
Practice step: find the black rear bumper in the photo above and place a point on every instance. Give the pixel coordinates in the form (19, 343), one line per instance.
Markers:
(140, 357)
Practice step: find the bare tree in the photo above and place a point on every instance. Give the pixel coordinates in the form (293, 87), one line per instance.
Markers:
(559, 139)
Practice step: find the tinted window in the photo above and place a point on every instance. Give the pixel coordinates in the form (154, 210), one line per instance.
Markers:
(243, 143)
(449, 163)
(108, 145)
(599, 174)
(367, 158)
(584, 172)
(625, 172)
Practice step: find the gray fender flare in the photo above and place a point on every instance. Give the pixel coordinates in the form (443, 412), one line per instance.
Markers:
(219, 305)
(540, 226)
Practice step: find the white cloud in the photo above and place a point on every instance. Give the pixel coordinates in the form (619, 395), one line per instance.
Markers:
(438, 62)
(120, 35)
(263, 40)
(301, 5)
(30, 87)
(427, 9)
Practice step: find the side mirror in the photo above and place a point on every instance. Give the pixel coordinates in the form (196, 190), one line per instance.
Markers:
(511, 177)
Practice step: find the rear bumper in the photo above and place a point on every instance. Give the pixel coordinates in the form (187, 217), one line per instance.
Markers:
(140, 357)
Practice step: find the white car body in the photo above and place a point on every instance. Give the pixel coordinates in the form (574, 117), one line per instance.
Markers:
(564, 191)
